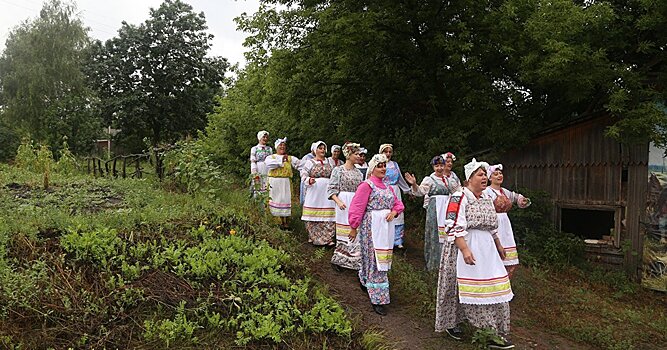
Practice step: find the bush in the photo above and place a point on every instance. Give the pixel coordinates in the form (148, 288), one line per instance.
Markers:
(535, 232)
(189, 168)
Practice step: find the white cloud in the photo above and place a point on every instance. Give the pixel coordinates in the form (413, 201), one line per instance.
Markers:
(105, 17)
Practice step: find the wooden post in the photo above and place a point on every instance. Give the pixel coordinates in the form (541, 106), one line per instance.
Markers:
(115, 172)
(138, 167)
(124, 167)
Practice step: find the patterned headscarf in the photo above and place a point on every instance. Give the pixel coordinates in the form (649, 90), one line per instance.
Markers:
(385, 146)
(350, 148)
(316, 144)
(449, 154)
(438, 160)
(471, 167)
(261, 134)
(279, 141)
(492, 169)
(377, 159)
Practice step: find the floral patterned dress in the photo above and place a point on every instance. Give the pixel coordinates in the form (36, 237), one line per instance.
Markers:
(318, 211)
(344, 183)
(381, 197)
(484, 289)
(432, 245)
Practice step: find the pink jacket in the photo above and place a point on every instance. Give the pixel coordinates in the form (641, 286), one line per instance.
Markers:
(360, 201)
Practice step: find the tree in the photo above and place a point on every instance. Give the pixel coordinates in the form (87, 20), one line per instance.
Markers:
(437, 75)
(43, 91)
(155, 79)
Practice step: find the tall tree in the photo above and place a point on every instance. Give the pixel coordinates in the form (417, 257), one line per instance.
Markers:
(43, 91)
(436, 75)
(155, 79)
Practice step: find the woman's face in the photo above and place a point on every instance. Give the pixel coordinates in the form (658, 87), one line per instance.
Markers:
(362, 158)
(335, 154)
(497, 177)
(380, 170)
(388, 152)
(439, 168)
(264, 139)
(449, 163)
(354, 158)
(282, 148)
(321, 151)
(478, 180)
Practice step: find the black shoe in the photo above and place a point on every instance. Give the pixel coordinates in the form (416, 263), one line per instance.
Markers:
(336, 267)
(455, 333)
(363, 288)
(379, 309)
(501, 343)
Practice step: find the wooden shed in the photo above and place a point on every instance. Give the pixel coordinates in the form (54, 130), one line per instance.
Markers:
(598, 187)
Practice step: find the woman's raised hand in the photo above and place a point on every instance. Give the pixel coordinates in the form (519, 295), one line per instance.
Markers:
(410, 179)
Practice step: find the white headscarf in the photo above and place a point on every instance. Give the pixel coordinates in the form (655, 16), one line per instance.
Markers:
(449, 154)
(316, 144)
(491, 169)
(471, 167)
(377, 159)
(279, 141)
(261, 134)
(363, 150)
(349, 149)
(385, 146)
(334, 148)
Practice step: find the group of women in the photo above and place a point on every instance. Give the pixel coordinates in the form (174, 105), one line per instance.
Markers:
(357, 207)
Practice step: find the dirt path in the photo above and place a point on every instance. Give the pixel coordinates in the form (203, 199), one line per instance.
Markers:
(400, 326)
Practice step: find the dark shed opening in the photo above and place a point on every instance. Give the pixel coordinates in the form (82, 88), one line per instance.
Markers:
(587, 224)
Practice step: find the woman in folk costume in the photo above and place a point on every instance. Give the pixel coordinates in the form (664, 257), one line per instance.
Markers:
(503, 200)
(302, 185)
(484, 289)
(280, 182)
(361, 165)
(343, 183)
(436, 189)
(258, 168)
(318, 212)
(335, 156)
(395, 179)
(373, 209)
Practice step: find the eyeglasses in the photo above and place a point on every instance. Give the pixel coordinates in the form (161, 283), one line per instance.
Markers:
(381, 165)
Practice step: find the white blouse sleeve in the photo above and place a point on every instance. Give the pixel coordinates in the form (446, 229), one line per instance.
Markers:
(423, 188)
(253, 160)
(274, 161)
(305, 172)
(460, 226)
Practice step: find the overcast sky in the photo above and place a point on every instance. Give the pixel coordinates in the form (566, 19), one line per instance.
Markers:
(104, 19)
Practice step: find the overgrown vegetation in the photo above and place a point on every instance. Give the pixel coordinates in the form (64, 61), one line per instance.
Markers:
(122, 263)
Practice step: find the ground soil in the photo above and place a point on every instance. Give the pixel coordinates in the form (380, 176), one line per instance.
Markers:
(405, 331)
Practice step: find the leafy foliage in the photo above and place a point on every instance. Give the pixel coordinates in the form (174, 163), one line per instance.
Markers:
(43, 92)
(155, 79)
(432, 76)
(190, 169)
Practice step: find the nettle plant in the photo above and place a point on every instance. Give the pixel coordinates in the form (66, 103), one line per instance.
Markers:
(190, 169)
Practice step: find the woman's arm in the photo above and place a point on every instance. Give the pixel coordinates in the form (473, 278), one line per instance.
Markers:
(274, 162)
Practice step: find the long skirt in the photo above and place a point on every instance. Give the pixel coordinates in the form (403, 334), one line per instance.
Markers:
(376, 282)
(494, 316)
(319, 214)
(260, 186)
(347, 254)
(280, 201)
(399, 221)
(448, 310)
(320, 232)
(432, 246)
(506, 236)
